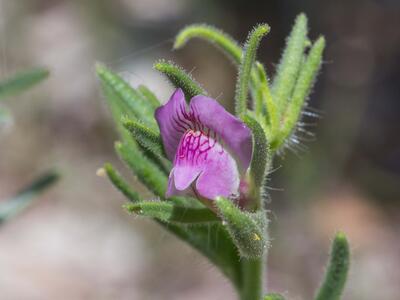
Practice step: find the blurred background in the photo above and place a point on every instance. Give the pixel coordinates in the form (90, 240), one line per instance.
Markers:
(77, 242)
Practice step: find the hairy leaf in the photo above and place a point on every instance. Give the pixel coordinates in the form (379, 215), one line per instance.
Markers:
(213, 35)
(171, 213)
(249, 56)
(180, 79)
(120, 183)
(289, 65)
(336, 273)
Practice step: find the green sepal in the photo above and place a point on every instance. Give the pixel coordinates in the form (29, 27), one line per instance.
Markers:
(248, 230)
(146, 171)
(180, 79)
(336, 272)
(22, 81)
(304, 83)
(149, 95)
(119, 182)
(171, 213)
(273, 296)
(290, 63)
(246, 66)
(24, 198)
(261, 156)
(132, 103)
(212, 35)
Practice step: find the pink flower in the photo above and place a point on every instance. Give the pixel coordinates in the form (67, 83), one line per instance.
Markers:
(210, 148)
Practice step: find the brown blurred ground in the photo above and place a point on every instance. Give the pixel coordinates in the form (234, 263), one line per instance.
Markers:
(77, 243)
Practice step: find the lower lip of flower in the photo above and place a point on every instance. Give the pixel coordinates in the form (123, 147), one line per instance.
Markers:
(202, 163)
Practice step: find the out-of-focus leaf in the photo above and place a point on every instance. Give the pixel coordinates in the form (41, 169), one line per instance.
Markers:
(13, 206)
(5, 117)
(149, 95)
(129, 101)
(22, 81)
(274, 296)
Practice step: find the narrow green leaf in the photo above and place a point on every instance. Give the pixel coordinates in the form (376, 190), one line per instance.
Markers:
(171, 213)
(302, 89)
(266, 104)
(149, 95)
(214, 242)
(249, 56)
(259, 103)
(336, 273)
(150, 140)
(289, 65)
(147, 137)
(260, 158)
(146, 171)
(273, 296)
(164, 164)
(117, 180)
(212, 35)
(24, 198)
(22, 81)
(180, 79)
(131, 102)
(118, 109)
(248, 231)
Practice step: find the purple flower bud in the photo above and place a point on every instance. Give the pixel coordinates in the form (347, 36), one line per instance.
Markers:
(210, 148)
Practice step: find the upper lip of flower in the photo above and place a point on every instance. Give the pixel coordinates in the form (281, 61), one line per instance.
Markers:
(207, 144)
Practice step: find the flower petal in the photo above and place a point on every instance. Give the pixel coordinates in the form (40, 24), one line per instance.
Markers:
(232, 130)
(220, 178)
(201, 156)
(172, 123)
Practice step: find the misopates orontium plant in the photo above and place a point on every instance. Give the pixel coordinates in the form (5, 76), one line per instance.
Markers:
(208, 168)
(9, 87)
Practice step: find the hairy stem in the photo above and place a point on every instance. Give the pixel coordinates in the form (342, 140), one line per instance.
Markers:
(252, 279)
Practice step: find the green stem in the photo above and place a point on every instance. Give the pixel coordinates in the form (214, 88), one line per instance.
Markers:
(252, 279)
